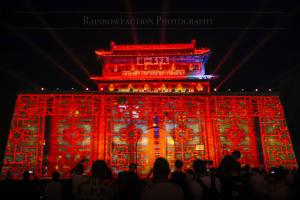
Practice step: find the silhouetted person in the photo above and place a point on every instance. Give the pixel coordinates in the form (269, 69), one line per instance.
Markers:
(245, 173)
(256, 184)
(78, 178)
(8, 175)
(27, 188)
(277, 187)
(128, 186)
(78, 166)
(95, 187)
(109, 179)
(229, 171)
(203, 183)
(229, 164)
(148, 180)
(26, 176)
(179, 177)
(53, 190)
(133, 167)
(162, 188)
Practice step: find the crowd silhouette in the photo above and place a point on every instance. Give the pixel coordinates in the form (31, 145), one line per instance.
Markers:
(228, 181)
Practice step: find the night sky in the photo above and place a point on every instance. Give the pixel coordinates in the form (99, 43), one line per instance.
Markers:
(51, 45)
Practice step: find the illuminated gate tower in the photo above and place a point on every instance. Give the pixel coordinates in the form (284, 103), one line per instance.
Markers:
(147, 130)
(153, 100)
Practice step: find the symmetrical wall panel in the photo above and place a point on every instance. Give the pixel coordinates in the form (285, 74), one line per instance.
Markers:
(55, 131)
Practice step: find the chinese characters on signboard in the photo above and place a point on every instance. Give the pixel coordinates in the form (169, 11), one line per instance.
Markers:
(152, 60)
(154, 73)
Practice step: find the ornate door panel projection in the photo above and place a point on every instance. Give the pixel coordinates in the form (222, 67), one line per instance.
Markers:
(235, 129)
(70, 141)
(71, 131)
(184, 123)
(276, 142)
(26, 142)
(137, 134)
(124, 132)
(57, 130)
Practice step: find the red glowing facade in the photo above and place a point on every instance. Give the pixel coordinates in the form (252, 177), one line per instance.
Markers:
(153, 100)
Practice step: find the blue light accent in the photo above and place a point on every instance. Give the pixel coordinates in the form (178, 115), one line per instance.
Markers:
(190, 59)
(156, 129)
(202, 77)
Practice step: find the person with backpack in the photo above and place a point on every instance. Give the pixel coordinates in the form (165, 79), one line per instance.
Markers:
(204, 186)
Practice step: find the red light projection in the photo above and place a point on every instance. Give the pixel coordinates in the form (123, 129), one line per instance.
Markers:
(150, 112)
(58, 130)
